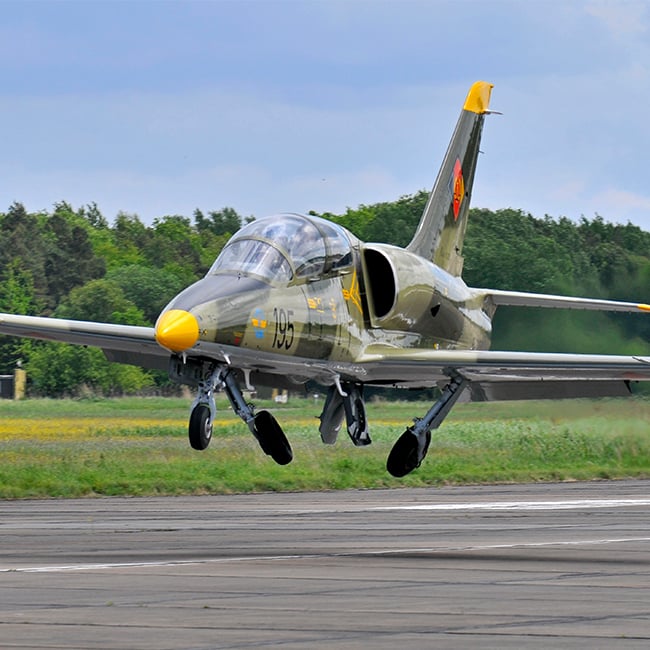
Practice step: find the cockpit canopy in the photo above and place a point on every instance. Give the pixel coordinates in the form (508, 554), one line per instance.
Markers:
(287, 246)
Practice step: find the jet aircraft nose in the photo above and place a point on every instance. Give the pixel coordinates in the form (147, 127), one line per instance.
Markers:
(177, 330)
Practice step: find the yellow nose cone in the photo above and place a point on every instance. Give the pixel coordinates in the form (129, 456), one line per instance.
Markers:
(177, 330)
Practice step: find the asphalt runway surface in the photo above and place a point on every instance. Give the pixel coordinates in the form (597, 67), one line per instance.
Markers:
(532, 566)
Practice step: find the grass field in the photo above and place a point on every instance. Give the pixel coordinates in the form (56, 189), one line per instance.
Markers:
(138, 446)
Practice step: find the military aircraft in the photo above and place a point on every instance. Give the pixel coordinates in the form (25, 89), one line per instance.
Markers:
(293, 299)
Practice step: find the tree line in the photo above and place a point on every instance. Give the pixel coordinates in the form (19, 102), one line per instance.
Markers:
(73, 263)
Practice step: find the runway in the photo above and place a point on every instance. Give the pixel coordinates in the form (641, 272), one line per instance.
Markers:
(532, 566)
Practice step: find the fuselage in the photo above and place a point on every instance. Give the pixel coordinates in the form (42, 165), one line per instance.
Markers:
(306, 287)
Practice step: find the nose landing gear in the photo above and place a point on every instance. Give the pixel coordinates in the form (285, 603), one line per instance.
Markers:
(200, 429)
(262, 425)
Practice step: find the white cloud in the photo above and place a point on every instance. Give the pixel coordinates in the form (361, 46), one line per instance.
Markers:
(364, 96)
(629, 205)
(622, 20)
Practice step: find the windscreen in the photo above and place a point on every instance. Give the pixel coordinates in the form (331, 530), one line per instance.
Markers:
(286, 246)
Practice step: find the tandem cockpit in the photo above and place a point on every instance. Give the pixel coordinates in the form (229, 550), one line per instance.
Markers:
(286, 247)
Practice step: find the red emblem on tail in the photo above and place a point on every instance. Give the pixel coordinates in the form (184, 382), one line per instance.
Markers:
(458, 185)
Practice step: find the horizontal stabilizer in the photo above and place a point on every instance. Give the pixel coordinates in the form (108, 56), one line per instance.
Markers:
(495, 298)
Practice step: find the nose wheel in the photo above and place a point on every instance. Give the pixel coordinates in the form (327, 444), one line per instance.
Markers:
(200, 428)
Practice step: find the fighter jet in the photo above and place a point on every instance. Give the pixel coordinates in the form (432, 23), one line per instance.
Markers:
(294, 299)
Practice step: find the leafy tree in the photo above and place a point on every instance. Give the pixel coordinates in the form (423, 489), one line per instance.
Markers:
(17, 296)
(222, 222)
(94, 217)
(173, 239)
(70, 260)
(60, 370)
(100, 301)
(147, 288)
(509, 249)
(130, 238)
(22, 240)
(392, 223)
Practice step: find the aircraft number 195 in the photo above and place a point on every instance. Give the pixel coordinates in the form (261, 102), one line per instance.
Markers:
(284, 329)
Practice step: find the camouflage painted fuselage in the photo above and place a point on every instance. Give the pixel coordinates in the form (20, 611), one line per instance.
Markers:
(369, 295)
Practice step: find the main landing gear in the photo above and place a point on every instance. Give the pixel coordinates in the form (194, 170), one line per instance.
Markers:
(345, 400)
(263, 425)
(411, 447)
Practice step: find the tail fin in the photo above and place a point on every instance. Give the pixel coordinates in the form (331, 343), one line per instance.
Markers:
(440, 233)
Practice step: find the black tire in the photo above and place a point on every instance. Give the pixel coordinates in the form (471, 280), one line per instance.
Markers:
(200, 429)
(404, 456)
(272, 439)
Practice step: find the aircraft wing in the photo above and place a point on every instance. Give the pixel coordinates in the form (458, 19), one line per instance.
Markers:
(510, 375)
(524, 299)
(493, 375)
(123, 343)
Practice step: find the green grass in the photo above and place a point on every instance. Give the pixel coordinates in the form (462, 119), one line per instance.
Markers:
(66, 448)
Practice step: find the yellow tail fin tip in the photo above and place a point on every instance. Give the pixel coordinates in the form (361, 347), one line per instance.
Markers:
(478, 97)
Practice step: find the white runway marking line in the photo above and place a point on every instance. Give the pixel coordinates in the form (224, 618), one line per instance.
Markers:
(492, 547)
(276, 558)
(488, 506)
(66, 568)
(572, 504)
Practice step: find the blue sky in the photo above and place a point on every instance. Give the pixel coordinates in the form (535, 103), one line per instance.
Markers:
(160, 107)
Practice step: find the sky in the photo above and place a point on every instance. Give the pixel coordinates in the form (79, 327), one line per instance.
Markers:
(160, 107)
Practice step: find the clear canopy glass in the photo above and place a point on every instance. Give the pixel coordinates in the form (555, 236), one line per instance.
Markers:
(282, 247)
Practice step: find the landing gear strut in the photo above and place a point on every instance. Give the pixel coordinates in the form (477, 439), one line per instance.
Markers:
(345, 400)
(411, 447)
(262, 425)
